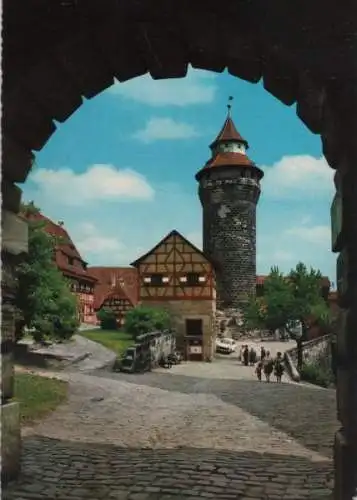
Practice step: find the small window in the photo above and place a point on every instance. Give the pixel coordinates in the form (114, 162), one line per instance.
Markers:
(70, 261)
(192, 279)
(156, 279)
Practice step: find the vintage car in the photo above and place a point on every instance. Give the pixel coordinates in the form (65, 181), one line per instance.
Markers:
(225, 346)
(128, 361)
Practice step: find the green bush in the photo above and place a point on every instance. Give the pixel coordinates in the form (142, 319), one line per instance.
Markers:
(316, 374)
(146, 319)
(107, 319)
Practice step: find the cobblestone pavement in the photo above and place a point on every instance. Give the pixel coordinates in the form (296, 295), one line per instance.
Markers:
(160, 436)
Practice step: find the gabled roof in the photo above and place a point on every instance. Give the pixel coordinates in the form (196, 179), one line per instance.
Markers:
(171, 233)
(65, 248)
(229, 133)
(107, 275)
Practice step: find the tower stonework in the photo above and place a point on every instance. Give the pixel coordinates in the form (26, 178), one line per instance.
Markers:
(229, 190)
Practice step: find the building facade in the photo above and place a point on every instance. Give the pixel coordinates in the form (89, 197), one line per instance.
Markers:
(116, 289)
(178, 277)
(229, 190)
(71, 264)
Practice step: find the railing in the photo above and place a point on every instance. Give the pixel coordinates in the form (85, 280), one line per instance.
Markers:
(291, 355)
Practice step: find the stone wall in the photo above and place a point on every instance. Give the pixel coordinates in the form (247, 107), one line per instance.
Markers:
(14, 245)
(229, 232)
(180, 310)
(314, 350)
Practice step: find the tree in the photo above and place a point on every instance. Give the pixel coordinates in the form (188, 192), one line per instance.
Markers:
(44, 301)
(143, 319)
(272, 311)
(288, 300)
(307, 302)
(107, 319)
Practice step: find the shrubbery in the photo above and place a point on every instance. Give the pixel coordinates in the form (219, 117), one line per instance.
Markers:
(146, 319)
(107, 319)
(316, 374)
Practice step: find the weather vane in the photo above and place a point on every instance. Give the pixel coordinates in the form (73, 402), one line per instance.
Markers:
(229, 105)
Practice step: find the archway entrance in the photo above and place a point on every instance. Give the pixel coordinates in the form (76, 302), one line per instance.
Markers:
(56, 56)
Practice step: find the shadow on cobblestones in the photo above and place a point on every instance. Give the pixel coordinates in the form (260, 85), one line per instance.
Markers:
(307, 414)
(54, 469)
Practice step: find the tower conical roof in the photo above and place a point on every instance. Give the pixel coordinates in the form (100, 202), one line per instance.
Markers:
(226, 156)
(229, 133)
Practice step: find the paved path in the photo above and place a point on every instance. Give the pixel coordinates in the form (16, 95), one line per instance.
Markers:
(179, 434)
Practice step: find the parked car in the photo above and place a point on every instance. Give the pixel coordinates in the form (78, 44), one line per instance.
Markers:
(225, 346)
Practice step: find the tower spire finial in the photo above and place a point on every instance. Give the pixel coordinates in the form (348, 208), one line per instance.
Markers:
(229, 105)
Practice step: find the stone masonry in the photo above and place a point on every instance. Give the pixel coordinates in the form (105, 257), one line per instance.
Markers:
(180, 310)
(229, 201)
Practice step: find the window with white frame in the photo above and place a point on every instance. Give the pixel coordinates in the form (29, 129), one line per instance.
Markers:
(192, 279)
(156, 279)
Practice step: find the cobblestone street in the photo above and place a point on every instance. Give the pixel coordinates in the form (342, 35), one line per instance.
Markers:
(170, 434)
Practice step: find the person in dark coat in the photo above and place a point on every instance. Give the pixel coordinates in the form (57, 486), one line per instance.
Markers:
(262, 354)
(252, 356)
(268, 366)
(278, 367)
(246, 356)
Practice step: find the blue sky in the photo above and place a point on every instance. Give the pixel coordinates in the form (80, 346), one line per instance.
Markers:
(120, 171)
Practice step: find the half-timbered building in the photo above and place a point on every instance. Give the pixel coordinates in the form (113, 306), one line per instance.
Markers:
(72, 265)
(177, 276)
(116, 289)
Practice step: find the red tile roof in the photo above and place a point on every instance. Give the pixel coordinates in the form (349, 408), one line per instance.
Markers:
(109, 278)
(228, 159)
(64, 249)
(229, 133)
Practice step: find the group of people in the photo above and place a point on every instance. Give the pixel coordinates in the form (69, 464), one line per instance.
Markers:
(266, 364)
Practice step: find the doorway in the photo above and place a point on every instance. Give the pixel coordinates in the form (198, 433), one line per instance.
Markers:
(194, 339)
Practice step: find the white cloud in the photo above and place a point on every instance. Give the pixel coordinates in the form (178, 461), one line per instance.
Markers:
(195, 88)
(89, 240)
(298, 177)
(97, 183)
(165, 129)
(316, 235)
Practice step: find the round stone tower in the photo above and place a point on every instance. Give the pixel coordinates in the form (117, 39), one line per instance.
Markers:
(229, 190)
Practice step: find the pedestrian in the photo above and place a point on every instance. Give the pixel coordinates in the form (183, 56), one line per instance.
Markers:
(252, 356)
(262, 353)
(268, 366)
(258, 370)
(246, 355)
(278, 367)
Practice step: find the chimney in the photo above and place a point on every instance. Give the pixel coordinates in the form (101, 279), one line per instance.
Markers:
(60, 223)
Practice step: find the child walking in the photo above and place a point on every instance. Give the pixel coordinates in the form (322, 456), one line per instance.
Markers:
(259, 369)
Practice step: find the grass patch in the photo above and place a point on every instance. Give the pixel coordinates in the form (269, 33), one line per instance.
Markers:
(115, 340)
(38, 395)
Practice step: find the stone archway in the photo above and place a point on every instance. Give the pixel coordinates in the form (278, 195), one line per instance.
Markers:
(55, 55)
